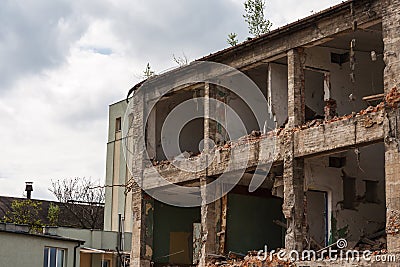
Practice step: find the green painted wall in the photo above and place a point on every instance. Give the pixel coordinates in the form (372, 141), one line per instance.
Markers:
(170, 219)
(18, 249)
(116, 110)
(250, 223)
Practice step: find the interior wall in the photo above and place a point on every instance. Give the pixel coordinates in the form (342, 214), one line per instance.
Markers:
(317, 215)
(368, 75)
(250, 223)
(365, 218)
(191, 134)
(259, 76)
(245, 114)
(314, 91)
(278, 92)
(173, 232)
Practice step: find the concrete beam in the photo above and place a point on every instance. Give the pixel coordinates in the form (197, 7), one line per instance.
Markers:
(312, 30)
(309, 32)
(340, 135)
(324, 139)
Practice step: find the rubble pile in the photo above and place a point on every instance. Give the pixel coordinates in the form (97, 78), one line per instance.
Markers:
(251, 260)
(393, 224)
(162, 162)
(185, 155)
(252, 137)
(375, 242)
(378, 246)
(330, 109)
(393, 98)
(318, 122)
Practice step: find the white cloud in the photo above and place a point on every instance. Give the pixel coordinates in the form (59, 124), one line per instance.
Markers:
(63, 63)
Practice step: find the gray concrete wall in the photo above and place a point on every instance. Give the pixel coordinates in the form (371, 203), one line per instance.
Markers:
(278, 92)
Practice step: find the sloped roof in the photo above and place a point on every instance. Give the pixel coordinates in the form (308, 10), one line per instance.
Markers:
(71, 215)
(55, 237)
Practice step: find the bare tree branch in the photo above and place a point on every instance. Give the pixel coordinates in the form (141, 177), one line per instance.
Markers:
(89, 194)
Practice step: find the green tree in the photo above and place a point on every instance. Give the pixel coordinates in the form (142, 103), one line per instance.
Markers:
(25, 212)
(53, 213)
(255, 17)
(147, 73)
(232, 39)
(181, 60)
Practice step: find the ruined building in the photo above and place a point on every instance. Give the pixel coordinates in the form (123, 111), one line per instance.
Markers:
(331, 82)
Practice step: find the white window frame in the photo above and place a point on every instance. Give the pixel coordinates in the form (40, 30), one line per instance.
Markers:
(49, 258)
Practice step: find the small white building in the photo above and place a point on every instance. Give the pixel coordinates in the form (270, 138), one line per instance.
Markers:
(20, 248)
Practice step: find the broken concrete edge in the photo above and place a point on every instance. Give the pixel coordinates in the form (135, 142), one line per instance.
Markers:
(256, 136)
(392, 100)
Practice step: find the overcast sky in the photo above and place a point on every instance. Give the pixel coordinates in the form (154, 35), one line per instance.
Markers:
(63, 62)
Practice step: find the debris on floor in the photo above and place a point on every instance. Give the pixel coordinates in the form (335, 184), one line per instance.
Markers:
(393, 224)
(393, 98)
(251, 260)
(330, 109)
(375, 242)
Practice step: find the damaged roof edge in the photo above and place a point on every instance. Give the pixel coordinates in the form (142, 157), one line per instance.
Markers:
(287, 28)
(291, 27)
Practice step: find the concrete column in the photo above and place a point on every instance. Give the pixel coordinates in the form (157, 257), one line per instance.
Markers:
(141, 253)
(142, 229)
(210, 126)
(296, 87)
(392, 181)
(294, 197)
(151, 141)
(210, 218)
(391, 39)
(210, 213)
(222, 234)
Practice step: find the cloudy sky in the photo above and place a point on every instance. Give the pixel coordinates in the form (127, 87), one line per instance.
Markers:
(63, 62)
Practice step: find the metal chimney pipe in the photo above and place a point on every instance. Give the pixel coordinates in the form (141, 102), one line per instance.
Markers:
(28, 189)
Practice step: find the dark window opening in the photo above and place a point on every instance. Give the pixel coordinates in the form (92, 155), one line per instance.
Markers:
(371, 191)
(337, 162)
(349, 192)
(118, 124)
(314, 94)
(340, 59)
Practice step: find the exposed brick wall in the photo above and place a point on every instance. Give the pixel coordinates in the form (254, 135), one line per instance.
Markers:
(391, 38)
(141, 249)
(294, 196)
(296, 87)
